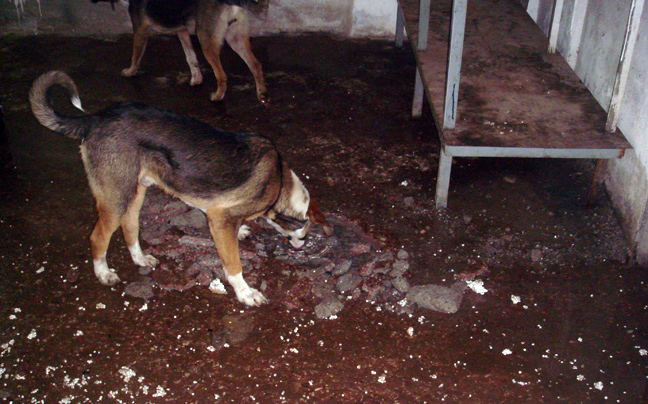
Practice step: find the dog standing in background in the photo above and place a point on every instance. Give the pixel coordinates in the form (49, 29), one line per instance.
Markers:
(231, 177)
(215, 21)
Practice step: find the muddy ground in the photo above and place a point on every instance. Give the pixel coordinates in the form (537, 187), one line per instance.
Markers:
(563, 317)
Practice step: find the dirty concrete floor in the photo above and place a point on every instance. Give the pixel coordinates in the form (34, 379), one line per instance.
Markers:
(563, 318)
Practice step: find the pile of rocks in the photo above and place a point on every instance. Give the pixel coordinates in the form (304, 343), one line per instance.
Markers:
(348, 265)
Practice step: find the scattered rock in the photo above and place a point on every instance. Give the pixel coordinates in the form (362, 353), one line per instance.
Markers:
(399, 268)
(408, 201)
(536, 255)
(342, 268)
(142, 289)
(193, 218)
(438, 298)
(237, 327)
(402, 255)
(330, 306)
(401, 284)
(348, 282)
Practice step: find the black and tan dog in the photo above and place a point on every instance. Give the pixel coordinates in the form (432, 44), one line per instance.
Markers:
(215, 21)
(232, 177)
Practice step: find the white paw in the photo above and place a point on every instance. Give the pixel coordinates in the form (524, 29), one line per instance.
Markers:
(148, 261)
(139, 258)
(244, 293)
(128, 72)
(195, 79)
(106, 276)
(244, 231)
(251, 297)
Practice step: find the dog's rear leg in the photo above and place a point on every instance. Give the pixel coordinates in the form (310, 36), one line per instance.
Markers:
(211, 41)
(226, 241)
(190, 54)
(130, 228)
(238, 38)
(99, 239)
(140, 39)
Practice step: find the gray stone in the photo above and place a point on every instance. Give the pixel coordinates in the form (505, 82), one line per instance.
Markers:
(342, 268)
(142, 289)
(402, 255)
(409, 201)
(193, 218)
(330, 306)
(399, 268)
(536, 255)
(401, 284)
(438, 298)
(348, 282)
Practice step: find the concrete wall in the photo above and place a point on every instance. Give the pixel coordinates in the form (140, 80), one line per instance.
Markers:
(591, 38)
(355, 18)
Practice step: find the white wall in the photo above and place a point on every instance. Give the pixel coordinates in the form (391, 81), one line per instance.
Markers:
(591, 38)
(355, 18)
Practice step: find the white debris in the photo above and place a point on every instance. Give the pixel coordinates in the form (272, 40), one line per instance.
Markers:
(507, 352)
(598, 385)
(100, 306)
(515, 299)
(78, 333)
(477, 286)
(216, 286)
(40, 270)
(159, 392)
(643, 352)
(410, 331)
(32, 334)
(144, 307)
(382, 379)
(580, 378)
(127, 373)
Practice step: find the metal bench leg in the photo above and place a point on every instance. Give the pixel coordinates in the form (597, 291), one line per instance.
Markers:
(443, 179)
(417, 103)
(400, 27)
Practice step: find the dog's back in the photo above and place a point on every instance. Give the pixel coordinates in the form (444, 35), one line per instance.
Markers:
(187, 156)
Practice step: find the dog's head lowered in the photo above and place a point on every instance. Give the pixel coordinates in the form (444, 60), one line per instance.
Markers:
(295, 212)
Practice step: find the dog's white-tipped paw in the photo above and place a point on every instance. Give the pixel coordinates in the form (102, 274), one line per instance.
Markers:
(106, 276)
(244, 231)
(251, 297)
(148, 261)
(130, 72)
(196, 80)
(139, 258)
(244, 293)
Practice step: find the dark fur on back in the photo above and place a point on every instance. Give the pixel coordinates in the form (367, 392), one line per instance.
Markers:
(185, 153)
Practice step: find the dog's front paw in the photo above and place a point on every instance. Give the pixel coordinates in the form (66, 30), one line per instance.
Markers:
(106, 276)
(244, 293)
(251, 297)
(244, 231)
(148, 261)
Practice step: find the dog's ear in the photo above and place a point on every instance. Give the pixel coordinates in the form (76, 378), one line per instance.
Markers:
(317, 217)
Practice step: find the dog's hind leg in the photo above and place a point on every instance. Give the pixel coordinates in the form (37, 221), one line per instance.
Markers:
(192, 60)
(140, 39)
(211, 35)
(224, 233)
(130, 228)
(238, 37)
(106, 225)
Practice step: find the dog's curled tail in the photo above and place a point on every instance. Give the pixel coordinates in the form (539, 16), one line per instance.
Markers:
(73, 127)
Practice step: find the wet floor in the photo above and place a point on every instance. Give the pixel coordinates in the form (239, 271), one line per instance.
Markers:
(563, 317)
